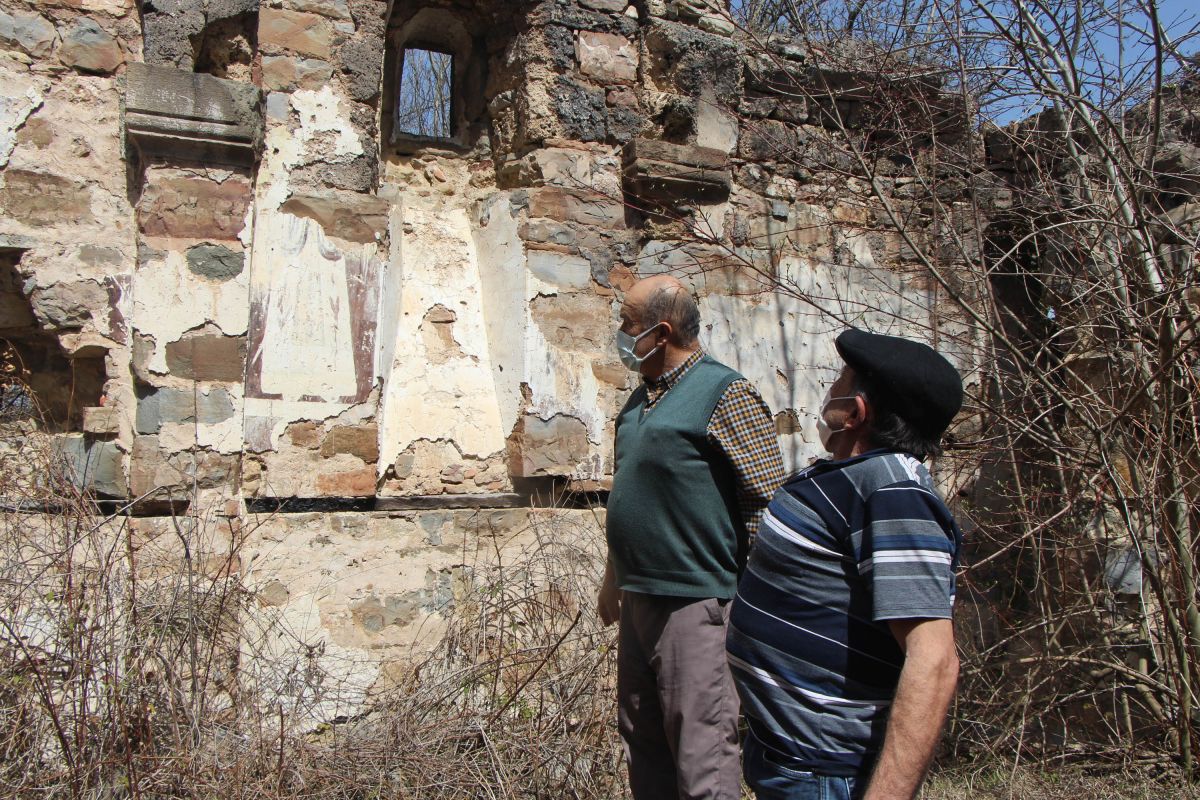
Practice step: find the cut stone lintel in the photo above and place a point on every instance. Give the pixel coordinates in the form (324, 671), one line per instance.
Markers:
(663, 171)
(184, 115)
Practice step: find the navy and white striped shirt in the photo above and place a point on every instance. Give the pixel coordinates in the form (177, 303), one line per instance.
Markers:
(843, 547)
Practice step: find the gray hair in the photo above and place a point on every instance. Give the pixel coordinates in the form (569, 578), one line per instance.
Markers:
(675, 306)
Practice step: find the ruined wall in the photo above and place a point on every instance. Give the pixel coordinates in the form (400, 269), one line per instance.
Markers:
(258, 289)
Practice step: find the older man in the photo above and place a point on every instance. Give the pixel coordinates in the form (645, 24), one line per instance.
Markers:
(696, 462)
(840, 638)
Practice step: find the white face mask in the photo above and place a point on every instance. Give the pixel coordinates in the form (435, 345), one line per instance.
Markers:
(823, 430)
(625, 345)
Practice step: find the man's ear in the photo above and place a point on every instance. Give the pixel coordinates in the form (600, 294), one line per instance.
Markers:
(664, 334)
(859, 415)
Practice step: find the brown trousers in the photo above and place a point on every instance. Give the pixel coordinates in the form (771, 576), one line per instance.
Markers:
(677, 709)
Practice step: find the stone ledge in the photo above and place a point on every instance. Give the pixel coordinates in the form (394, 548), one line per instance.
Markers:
(656, 170)
(178, 114)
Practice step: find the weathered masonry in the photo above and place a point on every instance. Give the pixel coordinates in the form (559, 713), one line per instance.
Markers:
(366, 255)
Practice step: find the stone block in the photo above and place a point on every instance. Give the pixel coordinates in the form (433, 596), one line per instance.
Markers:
(94, 465)
(40, 199)
(356, 440)
(101, 421)
(174, 475)
(612, 6)
(607, 57)
(194, 207)
(663, 171)
(581, 111)
(215, 261)
(89, 48)
(554, 446)
(295, 31)
(562, 270)
(70, 304)
(691, 62)
(353, 483)
(345, 215)
(334, 9)
(547, 231)
(768, 140)
(158, 406)
(179, 114)
(579, 322)
(586, 208)
(624, 123)
(361, 59)
(30, 33)
(304, 434)
(288, 73)
(208, 357)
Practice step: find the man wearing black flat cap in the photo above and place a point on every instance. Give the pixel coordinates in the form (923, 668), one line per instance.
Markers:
(840, 639)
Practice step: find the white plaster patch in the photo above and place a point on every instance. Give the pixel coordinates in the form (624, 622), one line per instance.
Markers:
(503, 280)
(715, 127)
(307, 347)
(785, 344)
(168, 300)
(321, 112)
(17, 101)
(454, 398)
(223, 437)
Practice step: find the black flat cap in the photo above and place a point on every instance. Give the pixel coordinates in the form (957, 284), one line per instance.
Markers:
(914, 381)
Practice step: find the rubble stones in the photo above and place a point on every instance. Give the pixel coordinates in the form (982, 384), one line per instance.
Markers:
(613, 6)
(28, 32)
(351, 483)
(101, 421)
(88, 47)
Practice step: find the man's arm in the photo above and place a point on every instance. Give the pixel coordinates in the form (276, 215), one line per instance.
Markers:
(926, 687)
(608, 602)
(742, 427)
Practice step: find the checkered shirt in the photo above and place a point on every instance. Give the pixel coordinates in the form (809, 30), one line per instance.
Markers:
(742, 428)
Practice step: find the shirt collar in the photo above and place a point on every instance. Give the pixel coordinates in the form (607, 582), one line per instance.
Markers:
(669, 379)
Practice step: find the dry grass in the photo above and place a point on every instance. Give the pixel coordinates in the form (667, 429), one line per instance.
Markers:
(1002, 782)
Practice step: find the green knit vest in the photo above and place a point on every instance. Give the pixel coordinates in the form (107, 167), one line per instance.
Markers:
(674, 526)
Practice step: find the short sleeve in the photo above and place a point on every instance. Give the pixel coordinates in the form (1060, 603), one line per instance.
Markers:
(908, 553)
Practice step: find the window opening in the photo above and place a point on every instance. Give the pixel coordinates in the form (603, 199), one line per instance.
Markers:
(423, 99)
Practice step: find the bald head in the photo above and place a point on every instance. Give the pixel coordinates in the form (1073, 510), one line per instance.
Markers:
(662, 298)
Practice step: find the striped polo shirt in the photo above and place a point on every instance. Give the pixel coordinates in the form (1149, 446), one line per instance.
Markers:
(843, 547)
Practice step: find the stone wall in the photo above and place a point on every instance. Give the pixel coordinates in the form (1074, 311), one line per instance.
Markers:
(265, 296)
